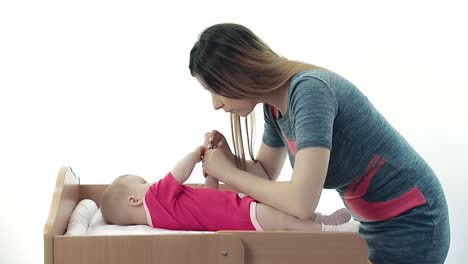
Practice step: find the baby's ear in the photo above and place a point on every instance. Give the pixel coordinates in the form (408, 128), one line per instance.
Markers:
(135, 202)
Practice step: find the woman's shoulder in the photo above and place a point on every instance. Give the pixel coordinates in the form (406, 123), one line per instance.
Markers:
(308, 81)
(324, 78)
(324, 75)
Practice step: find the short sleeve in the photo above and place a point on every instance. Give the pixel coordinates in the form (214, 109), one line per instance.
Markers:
(167, 189)
(270, 137)
(313, 107)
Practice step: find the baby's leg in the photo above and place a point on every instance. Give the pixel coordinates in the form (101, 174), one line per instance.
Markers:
(271, 219)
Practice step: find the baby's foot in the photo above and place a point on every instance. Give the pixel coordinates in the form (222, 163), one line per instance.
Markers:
(352, 226)
(337, 218)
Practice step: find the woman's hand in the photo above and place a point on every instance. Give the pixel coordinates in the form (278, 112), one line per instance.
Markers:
(216, 140)
(216, 164)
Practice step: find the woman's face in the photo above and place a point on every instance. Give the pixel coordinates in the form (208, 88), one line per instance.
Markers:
(242, 107)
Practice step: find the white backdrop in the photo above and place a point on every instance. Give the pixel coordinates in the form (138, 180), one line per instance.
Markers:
(104, 87)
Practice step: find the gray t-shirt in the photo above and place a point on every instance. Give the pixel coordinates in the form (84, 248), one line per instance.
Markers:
(373, 168)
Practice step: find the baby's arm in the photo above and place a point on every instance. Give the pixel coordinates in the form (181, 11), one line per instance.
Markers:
(183, 168)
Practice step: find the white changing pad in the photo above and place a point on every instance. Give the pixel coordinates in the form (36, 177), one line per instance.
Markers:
(87, 219)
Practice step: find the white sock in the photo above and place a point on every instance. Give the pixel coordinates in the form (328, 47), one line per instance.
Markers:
(352, 226)
(338, 217)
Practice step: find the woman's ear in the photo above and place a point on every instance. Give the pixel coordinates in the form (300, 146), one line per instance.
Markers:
(134, 201)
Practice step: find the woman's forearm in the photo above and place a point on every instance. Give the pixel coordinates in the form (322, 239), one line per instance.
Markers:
(256, 168)
(280, 195)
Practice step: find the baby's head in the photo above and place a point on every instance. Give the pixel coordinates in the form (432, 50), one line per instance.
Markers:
(122, 201)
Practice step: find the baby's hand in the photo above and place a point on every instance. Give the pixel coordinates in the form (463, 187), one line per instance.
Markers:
(199, 153)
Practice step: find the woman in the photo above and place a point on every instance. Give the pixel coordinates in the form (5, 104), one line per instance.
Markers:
(334, 138)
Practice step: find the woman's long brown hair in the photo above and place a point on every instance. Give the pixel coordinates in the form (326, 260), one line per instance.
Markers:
(233, 62)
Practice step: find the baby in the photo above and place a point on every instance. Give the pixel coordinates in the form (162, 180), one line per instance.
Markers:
(169, 204)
